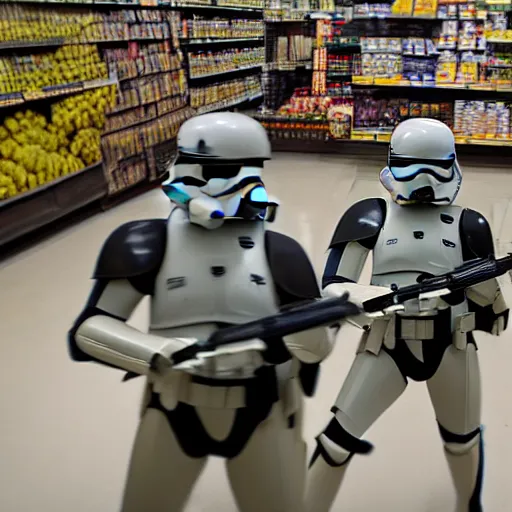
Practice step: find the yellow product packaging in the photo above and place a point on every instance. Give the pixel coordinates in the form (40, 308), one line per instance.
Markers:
(446, 72)
(402, 8)
(469, 72)
(425, 8)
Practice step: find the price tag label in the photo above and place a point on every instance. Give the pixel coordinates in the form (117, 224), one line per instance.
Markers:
(34, 95)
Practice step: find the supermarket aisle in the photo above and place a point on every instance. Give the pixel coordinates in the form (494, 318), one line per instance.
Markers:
(67, 429)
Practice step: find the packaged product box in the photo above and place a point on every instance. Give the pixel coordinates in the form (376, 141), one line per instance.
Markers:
(425, 8)
(402, 7)
(340, 119)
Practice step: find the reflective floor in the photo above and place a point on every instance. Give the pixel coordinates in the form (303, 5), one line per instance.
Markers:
(66, 429)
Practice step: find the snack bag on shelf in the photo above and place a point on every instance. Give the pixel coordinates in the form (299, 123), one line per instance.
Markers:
(468, 69)
(446, 71)
(425, 8)
(340, 120)
(503, 121)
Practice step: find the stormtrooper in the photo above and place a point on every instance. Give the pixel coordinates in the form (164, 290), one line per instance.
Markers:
(416, 233)
(211, 264)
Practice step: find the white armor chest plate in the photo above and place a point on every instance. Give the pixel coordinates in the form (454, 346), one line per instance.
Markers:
(416, 240)
(217, 276)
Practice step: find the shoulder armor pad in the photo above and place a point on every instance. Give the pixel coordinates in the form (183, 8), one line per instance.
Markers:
(133, 249)
(291, 269)
(476, 235)
(362, 221)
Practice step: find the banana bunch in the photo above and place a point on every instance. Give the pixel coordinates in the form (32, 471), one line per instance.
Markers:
(86, 145)
(69, 64)
(35, 151)
(19, 25)
(83, 111)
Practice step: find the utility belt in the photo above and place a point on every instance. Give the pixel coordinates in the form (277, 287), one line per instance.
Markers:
(200, 391)
(408, 328)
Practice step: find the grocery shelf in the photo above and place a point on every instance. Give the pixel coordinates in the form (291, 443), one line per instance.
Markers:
(143, 121)
(343, 46)
(287, 66)
(477, 151)
(338, 74)
(53, 92)
(222, 106)
(151, 73)
(302, 15)
(234, 70)
(131, 192)
(483, 88)
(129, 5)
(17, 45)
(237, 8)
(124, 108)
(298, 20)
(43, 43)
(499, 41)
(219, 40)
(397, 17)
(129, 125)
(32, 210)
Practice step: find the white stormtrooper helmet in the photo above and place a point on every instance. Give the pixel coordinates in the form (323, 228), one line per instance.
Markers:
(422, 164)
(217, 173)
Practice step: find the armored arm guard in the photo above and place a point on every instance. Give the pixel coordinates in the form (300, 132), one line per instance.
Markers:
(125, 272)
(486, 299)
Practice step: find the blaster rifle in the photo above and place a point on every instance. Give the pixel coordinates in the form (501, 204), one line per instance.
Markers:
(293, 320)
(470, 274)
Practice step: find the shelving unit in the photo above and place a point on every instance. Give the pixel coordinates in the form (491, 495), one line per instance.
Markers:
(451, 60)
(44, 205)
(288, 53)
(144, 50)
(223, 51)
(137, 47)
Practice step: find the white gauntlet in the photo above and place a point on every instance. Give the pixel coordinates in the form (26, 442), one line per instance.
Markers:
(358, 294)
(113, 342)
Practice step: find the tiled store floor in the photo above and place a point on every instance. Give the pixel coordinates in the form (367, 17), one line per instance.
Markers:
(66, 429)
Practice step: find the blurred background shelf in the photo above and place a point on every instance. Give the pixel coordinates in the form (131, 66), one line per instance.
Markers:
(44, 205)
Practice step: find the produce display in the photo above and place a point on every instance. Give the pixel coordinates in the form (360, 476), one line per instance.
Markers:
(25, 24)
(209, 63)
(66, 65)
(66, 49)
(103, 89)
(35, 150)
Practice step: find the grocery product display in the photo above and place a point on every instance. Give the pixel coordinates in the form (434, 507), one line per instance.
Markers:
(106, 86)
(141, 56)
(224, 94)
(213, 63)
(200, 27)
(375, 64)
(36, 150)
(224, 52)
(114, 80)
